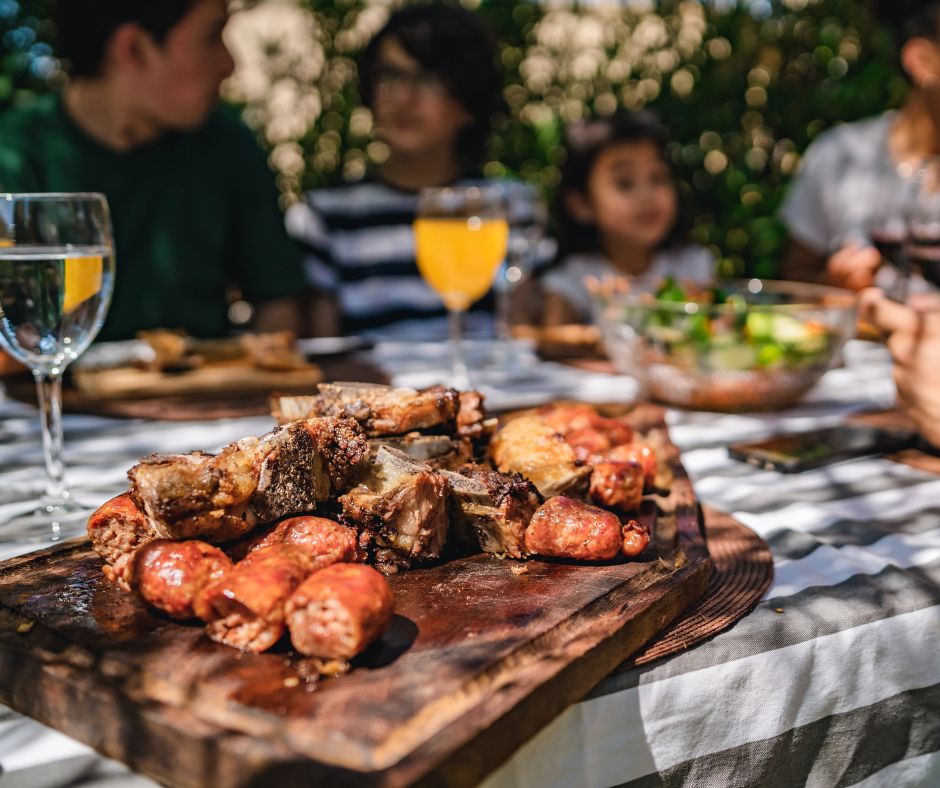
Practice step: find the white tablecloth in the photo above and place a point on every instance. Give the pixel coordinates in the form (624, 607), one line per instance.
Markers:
(834, 679)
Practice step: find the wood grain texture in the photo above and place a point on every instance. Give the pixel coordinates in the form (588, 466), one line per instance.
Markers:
(477, 660)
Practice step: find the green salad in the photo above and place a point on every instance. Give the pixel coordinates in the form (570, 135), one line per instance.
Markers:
(721, 330)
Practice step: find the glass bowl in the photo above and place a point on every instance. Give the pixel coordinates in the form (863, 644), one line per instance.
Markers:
(740, 346)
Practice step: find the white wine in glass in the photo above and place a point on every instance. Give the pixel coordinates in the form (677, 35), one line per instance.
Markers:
(460, 242)
(56, 280)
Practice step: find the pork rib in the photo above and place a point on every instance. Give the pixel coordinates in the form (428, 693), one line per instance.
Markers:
(255, 480)
(492, 509)
(402, 502)
(383, 410)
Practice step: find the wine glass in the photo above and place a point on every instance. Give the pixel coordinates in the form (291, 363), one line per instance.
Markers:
(527, 214)
(56, 280)
(887, 225)
(922, 248)
(461, 235)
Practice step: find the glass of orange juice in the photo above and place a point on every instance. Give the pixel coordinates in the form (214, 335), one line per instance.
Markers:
(461, 235)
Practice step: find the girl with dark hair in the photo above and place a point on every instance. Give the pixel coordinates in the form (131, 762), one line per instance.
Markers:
(431, 80)
(618, 214)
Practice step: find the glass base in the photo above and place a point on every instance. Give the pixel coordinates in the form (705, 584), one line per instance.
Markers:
(52, 522)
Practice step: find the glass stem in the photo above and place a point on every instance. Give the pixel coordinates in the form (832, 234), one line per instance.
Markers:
(49, 391)
(504, 312)
(461, 374)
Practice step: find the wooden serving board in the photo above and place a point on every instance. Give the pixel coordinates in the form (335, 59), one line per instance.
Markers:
(478, 658)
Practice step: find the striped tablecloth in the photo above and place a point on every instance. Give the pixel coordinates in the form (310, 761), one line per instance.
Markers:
(833, 680)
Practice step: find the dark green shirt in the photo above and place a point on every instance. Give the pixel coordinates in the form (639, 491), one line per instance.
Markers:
(193, 213)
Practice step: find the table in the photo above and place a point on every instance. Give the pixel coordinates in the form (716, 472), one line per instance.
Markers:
(834, 679)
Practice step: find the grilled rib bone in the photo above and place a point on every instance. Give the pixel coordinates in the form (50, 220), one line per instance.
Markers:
(255, 480)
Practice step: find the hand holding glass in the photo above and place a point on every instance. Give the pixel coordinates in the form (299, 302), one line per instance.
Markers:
(56, 280)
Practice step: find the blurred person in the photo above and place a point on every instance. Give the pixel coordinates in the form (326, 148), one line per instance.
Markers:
(193, 202)
(856, 177)
(431, 80)
(914, 342)
(618, 214)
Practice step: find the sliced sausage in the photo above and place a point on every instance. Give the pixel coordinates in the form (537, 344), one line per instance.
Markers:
(116, 529)
(320, 541)
(337, 612)
(245, 609)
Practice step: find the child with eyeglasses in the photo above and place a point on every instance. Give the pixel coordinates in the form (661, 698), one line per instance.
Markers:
(618, 215)
(431, 80)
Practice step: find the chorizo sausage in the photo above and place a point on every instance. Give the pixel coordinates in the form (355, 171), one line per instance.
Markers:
(337, 612)
(565, 528)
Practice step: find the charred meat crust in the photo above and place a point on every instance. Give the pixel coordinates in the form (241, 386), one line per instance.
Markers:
(219, 497)
(383, 410)
(492, 509)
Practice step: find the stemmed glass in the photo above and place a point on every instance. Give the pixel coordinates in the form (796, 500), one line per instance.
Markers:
(922, 248)
(888, 224)
(527, 214)
(460, 241)
(56, 280)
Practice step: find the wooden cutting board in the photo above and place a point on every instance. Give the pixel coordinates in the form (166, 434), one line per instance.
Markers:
(477, 660)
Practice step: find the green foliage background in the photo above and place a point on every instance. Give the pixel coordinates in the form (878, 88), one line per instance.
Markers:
(743, 87)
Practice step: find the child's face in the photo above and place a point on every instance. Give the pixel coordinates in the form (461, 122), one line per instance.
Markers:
(413, 110)
(631, 198)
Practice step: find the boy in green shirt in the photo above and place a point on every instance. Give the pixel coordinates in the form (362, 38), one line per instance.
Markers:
(193, 203)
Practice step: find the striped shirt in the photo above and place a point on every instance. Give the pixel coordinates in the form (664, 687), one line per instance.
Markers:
(358, 246)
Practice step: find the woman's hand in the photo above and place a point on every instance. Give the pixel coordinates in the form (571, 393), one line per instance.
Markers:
(853, 267)
(914, 342)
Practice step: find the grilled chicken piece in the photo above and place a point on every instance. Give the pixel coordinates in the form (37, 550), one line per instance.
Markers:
(381, 410)
(116, 529)
(565, 528)
(403, 503)
(529, 446)
(256, 480)
(337, 612)
(171, 576)
(492, 508)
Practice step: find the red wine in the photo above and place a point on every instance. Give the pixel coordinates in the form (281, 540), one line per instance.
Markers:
(923, 255)
(891, 247)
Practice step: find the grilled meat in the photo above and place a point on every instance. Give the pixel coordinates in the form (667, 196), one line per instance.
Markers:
(337, 612)
(402, 502)
(565, 528)
(381, 410)
(319, 541)
(438, 451)
(574, 418)
(492, 508)
(636, 537)
(529, 446)
(618, 485)
(256, 480)
(245, 609)
(171, 576)
(640, 453)
(116, 529)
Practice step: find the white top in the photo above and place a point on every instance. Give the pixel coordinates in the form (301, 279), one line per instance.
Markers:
(694, 263)
(849, 184)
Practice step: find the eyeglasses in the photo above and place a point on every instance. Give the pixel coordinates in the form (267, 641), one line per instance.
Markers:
(424, 83)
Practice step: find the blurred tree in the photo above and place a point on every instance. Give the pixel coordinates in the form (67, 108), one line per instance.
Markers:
(27, 63)
(743, 87)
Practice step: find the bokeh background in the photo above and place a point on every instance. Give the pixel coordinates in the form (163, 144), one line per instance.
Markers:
(744, 88)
